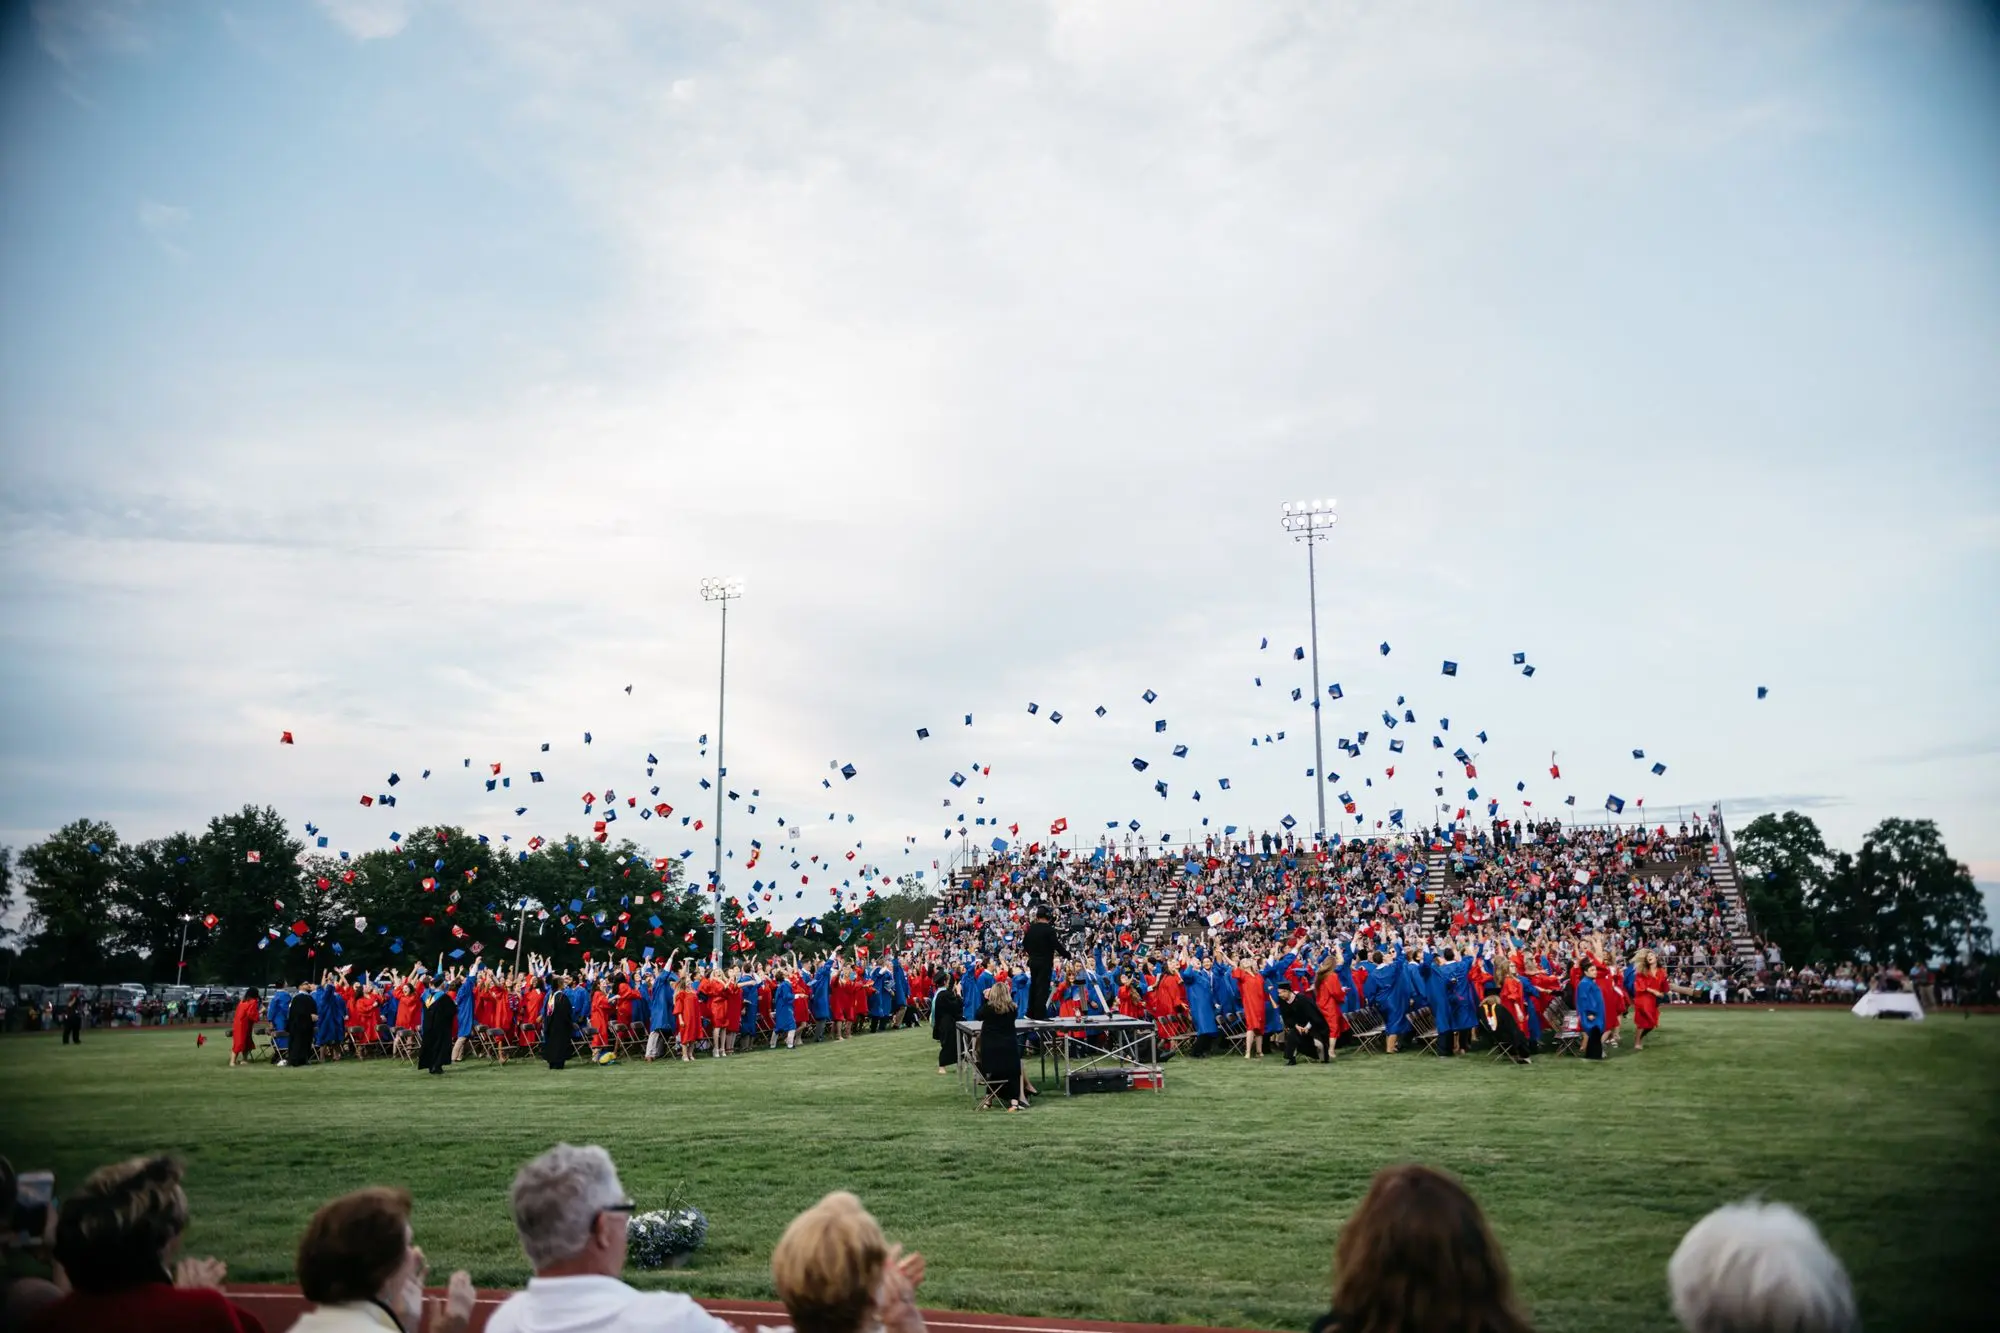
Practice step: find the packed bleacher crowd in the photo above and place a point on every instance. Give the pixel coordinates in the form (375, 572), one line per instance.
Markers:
(1417, 1255)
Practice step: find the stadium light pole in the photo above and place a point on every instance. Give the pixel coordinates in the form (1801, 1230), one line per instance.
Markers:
(1311, 522)
(724, 591)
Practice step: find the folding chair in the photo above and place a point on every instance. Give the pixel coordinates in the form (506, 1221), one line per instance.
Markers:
(1369, 1029)
(1424, 1029)
(1569, 1036)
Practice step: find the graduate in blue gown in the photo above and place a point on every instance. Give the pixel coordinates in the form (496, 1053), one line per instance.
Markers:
(331, 1029)
(467, 1019)
(881, 996)
(659, 991)
(820, 1002)
(279, 1018)
(1590, 1012)
(783, 1020)
(1434, 984)
(1201, 1007)
(899, 996)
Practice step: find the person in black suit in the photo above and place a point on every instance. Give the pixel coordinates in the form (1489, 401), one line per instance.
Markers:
(999, 1051)
(946, 1007)
(440, 1025)
(1305, 1025)
(301, 1020)
(558, 1035)
(1040, 945)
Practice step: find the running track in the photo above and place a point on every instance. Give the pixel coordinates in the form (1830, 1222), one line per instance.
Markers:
(276, 1307)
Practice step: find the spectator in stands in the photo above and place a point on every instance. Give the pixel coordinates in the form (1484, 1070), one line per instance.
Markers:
(116, 1243)
(1759, 1268)
(837, 1273)
(571, 1212)
(1418, 1257)
(358, 1262)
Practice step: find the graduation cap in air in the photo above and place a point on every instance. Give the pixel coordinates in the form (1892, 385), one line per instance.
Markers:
(1460, 755)
(1333, 690)
(846, 771)
(285, 738)
(1762, 690)
(1298, 654)
(1055, 717)
(1385, 647)
(394, 779)
(1614, 804)
(1139, 765)
(535, 776)
(1258, 681)
(1159, 724)
(1222, 783)
(1161, 788)
(1296, 694)
(1437, 743)
(958, 779)
(1482, 738)
(1658, 769)
(1520, 786)
(1519, 658)
(1149, 696)
(545, 747)
(1569, 800)
(1263, 644)
(1289, 822)
(1409, 715)
(1451, 668)
(1100, 710)
(968, 719)
(1134, 826)
(923, 733)
(1396, 747)
(1034, 708)
(1638, 754)
(1388, 718)
(1527, 671)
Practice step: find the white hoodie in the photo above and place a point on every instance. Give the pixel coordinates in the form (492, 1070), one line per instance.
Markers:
(595, 1304)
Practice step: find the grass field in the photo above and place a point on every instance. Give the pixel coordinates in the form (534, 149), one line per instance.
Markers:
(1217, 1202)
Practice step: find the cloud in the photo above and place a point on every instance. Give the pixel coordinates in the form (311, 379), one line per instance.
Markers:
(164, 222)
(369, 20)
(72, 30)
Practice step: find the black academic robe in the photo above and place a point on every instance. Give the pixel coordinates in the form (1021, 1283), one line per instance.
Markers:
(440, 1027)
(558, 1031)
(999, 1051)
(300, 1020)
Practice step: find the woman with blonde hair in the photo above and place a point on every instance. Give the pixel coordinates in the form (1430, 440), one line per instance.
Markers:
(1649, 989)
(999, 1049)
(1418, 1257)
(837, 1273)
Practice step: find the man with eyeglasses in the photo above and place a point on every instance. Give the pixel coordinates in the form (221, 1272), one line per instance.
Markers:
(571, 1212)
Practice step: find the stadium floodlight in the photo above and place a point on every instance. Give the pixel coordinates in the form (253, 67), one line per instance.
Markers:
(1312, 523)
(725, 591)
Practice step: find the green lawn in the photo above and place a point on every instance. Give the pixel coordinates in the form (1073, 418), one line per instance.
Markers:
(1215, 1203)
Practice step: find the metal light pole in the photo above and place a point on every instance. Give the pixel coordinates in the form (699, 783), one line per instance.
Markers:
(180, 968)
(1312, 522)
(724, 591)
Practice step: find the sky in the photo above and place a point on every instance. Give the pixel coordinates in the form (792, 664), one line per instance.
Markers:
(391, 373)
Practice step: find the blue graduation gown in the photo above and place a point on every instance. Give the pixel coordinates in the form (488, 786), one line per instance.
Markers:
(660, 1005)
(1460, 1002)
(882, 990)
(753, 991)
(281, 1009)
(1201, 1002)
(466, 1022)
(1589, 1005)
(781, 1008)
(1436, 989)
(1389, 991)
(331, 1027)
(1530, 994)
(818, 1002)
(900, 994)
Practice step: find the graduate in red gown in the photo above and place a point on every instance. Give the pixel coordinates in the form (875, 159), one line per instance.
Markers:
(732, 1013)
(242, 1025)
(1330, 996)
(367, 1015)
(600, 1021)
(1250, 985)
(687, 1016)
(1649, 985)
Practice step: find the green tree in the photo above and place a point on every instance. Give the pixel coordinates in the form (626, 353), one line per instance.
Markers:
(70, 877)
(1786, 863)
(1911, 902)
(248, 864)
(558, 892)
(160, 882)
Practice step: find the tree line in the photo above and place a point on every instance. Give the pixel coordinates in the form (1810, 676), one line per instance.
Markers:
(1901, 899)
(251, 904)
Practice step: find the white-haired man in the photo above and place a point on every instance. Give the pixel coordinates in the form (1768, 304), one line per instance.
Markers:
(570, 1212)
(1759, 1268)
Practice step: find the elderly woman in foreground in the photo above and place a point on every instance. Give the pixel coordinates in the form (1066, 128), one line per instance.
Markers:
(1759, 1268)
(837, 1273)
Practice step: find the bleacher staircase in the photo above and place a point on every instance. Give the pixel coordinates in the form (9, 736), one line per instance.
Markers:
(1436, 882)
(1163, 917)
(1722, 864)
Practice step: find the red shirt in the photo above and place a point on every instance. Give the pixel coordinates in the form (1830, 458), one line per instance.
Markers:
(155, 1307)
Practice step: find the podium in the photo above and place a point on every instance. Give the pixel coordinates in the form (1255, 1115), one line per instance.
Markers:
(1100, 1054)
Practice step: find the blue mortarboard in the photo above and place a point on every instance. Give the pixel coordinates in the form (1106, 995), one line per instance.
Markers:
(535, 776)
(1638, 754)
(492, 783)
(1055, 717)
(968, 719)
(1450, 668)
(1228, 829)
(1222, 783)
(1527, 671)
(1161, 788)
(846, 771)
(1569, 800)
(1180, 752)
(1388, 718)
(322, 840)
(1482, 738)
(394, 779)
(1159, 724)
(1396, 817)
(1263, 644)
(1762, 690)
(1139, 764)
(1614, 804)
(1296, 693)
(1034, 708)
(1659, 769)
(705, 784)
(1333, 690)
(1520, 786)
(1395, 747)
(1298, 654)
(1289, 822)
(1385, 648)
(1460, 755)
(1100, 710)
(457, 953)
(1437, 743)
(1258, 681)
(1399, 701)
(586, 738)
(1409, 715)
(1472, 793)
(1149, 696)
(1134, 826)
(1519, 658)
(923, 733)
(958, 779)
(1444, 724)
(545, 747)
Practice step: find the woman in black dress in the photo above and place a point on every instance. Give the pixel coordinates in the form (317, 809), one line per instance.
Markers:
(999, 1050)
(440, 1026)
(945, 1010)
(558, 1039)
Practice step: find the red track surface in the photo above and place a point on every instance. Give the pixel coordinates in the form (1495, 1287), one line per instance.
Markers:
(277, 1307)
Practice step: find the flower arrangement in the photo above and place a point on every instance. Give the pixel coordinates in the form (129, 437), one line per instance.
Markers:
(665, 1237)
